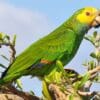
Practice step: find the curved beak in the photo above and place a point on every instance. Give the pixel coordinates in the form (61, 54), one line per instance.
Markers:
(96, 22)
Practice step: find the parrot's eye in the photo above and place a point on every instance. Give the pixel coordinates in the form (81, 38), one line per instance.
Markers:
(88, 13)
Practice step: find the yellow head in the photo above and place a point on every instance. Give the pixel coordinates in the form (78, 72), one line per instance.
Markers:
(88, 15)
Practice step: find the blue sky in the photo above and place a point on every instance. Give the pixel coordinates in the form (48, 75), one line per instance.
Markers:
(32, 19)
(56, 10)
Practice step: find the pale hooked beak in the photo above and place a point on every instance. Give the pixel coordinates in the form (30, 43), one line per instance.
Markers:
(96, 22)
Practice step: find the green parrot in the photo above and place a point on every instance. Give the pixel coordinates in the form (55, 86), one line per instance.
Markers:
(39, 59)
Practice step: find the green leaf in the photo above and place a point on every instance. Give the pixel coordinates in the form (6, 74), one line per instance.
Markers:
(98, 56)
(32, 93)
(6, 37)
(0, 36)
(53, 77)
(60, 65)
(97, 79)
(92, 64)
(76, 85)
(14, 40)
(95, 34)
(85, 63)
(80, 83)
(84, 80)
(93, 55)
(3, 66)
(5, 57)
(19, 84)
(45, 91)
(71, 97)
(90, 39)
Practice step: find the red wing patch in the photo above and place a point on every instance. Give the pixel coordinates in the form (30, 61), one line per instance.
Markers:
(45, 62)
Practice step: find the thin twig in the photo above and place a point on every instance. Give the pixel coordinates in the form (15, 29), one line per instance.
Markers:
(12, 50)
(95, 70)
(13, 91)
(86, 93)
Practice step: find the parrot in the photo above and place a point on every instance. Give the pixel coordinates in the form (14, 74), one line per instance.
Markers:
(62, 44)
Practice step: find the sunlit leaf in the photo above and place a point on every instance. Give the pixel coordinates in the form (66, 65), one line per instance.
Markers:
(19, 84)
(76, 85)
(84, 80)
(80, 83)
(53, 77)
(45, 91)
(71, 97)
(60, 65)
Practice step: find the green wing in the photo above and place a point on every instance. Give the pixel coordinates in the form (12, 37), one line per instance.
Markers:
(49, 48)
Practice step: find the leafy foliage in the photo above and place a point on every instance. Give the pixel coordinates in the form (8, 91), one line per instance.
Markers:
(76, 82)
(67, 82)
